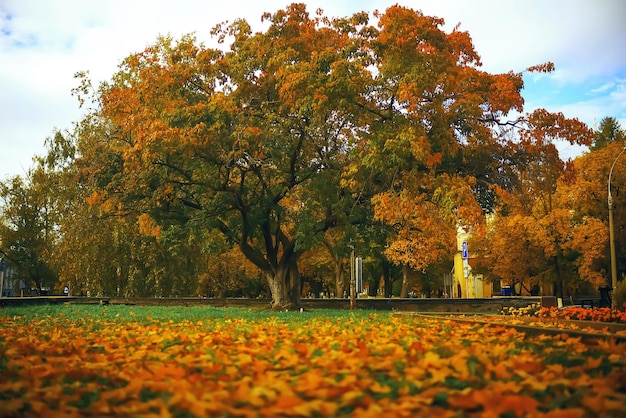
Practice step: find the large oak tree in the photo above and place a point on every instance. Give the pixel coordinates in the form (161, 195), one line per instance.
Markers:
(233, 141)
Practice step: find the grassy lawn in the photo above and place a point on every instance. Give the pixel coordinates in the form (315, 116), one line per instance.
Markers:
(74, 360)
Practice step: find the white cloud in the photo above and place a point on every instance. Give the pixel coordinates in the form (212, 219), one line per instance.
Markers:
(594, 108)
(603, 88)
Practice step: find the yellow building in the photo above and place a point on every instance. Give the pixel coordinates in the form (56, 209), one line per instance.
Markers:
(466, 284)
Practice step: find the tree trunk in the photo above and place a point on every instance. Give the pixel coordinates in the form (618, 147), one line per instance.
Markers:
(279, 264)
(278, 288)
(404, 292)
(294, 288)
(372, 289)
(558, 279)
(387, 279)
(340, 278)
(284, 285)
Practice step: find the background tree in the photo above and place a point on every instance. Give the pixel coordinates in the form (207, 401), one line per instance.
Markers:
(229, 273)
(30, 218)
(609, 131)
(433, 114)
(534, 227)
(587, 188)
(100, 251)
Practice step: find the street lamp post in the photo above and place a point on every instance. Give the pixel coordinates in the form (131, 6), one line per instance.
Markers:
(2, 265)
(352, 279)
(612, 233)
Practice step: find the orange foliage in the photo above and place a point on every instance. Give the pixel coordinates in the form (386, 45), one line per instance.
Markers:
(544, 127)
(547, 67)
(148, 226)
(423, 235)
(425, 223)
(94, 198)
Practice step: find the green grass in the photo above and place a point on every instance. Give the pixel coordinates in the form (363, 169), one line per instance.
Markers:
(146, 314)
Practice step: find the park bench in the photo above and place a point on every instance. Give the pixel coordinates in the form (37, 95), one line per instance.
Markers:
(588, 301)
(602, 301)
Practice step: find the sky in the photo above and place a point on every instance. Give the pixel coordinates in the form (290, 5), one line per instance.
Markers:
(43, 43)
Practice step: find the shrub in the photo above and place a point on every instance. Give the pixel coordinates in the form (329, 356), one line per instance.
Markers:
(529, 310)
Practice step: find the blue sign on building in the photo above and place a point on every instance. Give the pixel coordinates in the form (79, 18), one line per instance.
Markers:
(464, 252)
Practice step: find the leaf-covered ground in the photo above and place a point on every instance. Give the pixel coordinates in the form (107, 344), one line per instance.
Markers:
(186, 362)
